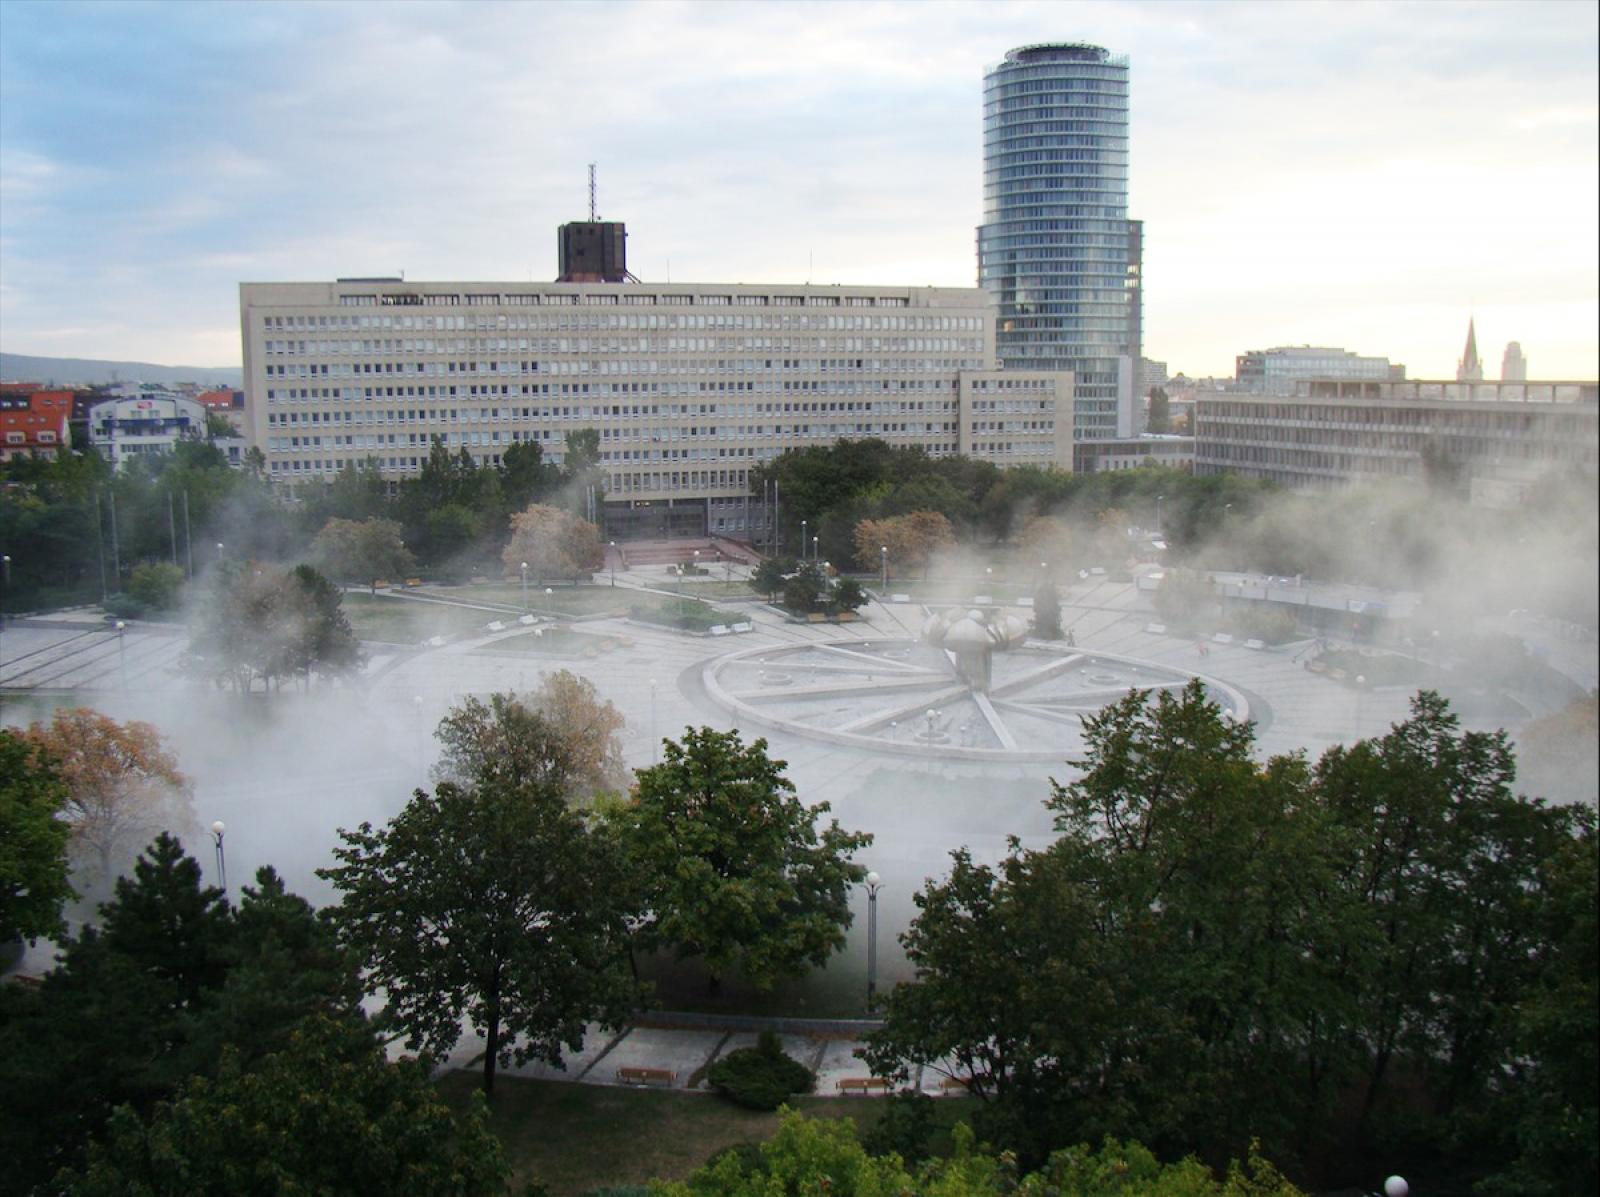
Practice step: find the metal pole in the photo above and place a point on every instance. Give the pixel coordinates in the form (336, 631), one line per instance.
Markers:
(883, 556)
(873, 883)
(524, 569)
(172, 529)
(613, 556)
(5, 594)
(188, 540)
(100, 545)
(116, 552)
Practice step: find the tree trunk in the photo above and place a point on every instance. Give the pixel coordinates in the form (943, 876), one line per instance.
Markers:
(491, 1036)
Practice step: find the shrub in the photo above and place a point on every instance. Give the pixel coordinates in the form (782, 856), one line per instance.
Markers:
(760, 1077)
(156, 585)
(125, 606)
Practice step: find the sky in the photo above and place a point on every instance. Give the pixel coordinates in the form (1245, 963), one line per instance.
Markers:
(1363, 175)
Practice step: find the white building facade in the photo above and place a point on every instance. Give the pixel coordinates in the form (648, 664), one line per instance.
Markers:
(140, 424)
(689, 385)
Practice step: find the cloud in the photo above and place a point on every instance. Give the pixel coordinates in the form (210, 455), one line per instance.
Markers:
(1319, 159)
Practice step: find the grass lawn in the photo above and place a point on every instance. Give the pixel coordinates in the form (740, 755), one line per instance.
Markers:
(402, 621)
(574, 1138)
(563, 597)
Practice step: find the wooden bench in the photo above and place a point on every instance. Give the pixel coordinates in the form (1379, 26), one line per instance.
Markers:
(412, 583)
(863, 1084)
(647, 1076)
(951, 1083)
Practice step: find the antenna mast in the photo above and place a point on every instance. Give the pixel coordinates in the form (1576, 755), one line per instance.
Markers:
(592, 216)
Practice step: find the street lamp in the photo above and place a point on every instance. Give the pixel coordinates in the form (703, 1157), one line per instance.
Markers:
(873, 884)
(813, 548)
(883, 560)
(1158, 513)
(219, 552)
(122, 651)
(613, 557)
(1396, 1186)
(524, 569)
(217, 830)
(802, 540)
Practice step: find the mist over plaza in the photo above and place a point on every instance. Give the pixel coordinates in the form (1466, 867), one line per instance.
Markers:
(918, 390)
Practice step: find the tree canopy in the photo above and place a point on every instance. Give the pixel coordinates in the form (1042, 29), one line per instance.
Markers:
(554, 544)
(33, 841)
(490, 899)
(364, 551)
(1327, 944)
(736, 869)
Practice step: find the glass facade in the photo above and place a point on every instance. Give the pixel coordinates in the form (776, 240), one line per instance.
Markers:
(1056, 249)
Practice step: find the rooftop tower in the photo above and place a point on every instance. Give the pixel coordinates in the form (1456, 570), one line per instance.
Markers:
(1056, 249)
(1469, 368)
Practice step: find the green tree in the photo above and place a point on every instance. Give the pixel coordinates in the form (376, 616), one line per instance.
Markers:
(737, 872)
(156, 584)
(803, 592)
(1046, 609)
(263, 625)
(33, 842)
(525, 477)
(1160, 406)
(846, 595)
(1185, 599)
(768, 577)
(490, 899)
(367, 551)
(326, 1113)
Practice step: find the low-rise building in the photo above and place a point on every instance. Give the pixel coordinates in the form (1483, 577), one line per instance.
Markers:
(34, 423)
(1329, 433)
(1277, 371)
(149, 422)
(1129, 453)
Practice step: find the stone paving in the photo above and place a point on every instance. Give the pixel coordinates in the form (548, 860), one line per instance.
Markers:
(333, 759)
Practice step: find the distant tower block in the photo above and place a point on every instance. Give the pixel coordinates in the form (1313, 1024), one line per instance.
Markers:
(1513, 366)
(1469, 368)
(593, 251)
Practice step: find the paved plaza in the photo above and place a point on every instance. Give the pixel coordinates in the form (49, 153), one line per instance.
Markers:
(286, 772)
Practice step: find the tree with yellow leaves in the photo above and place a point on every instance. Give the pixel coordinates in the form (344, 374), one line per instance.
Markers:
(123, 785)
(553, 543)
(911, 539)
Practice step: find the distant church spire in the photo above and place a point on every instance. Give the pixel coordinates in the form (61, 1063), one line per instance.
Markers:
(1469, 368)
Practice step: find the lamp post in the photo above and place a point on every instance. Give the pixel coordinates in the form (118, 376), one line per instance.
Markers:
(814, 553)
(549, 596)
(5, 593)
(883, 561)
(524, 570)
(873, 884)
(1396, 1186)
(1158, 513)
(802, 540)
(122, 651)
(613, 557)
(217, 830)
(219, 552)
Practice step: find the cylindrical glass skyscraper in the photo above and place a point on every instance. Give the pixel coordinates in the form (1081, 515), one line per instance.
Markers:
(1056, 249)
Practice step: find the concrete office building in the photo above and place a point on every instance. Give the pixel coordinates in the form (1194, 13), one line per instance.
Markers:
(1056, 249)
(689, 385)
(1513, 366)
(1331, 433)
(1277, 371)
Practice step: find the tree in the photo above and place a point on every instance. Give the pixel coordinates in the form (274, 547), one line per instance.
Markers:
(588, 727)
(524, 476)
(737, 872)
(33, 842)
(368, 551)
(847, 595)
(1159, 420)
(327, 1113)
(1046, 609)
(554, 543)
(264, 625)
(156, 585)
(803, 592)
(169, 977)
(1185, 598)
(769, 575)
(912, 540)
(123, 786)
(490, 898)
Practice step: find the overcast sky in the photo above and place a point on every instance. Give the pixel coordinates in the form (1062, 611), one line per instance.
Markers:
(1355, 174)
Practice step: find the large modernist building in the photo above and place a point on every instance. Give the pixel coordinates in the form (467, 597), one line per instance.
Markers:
(1056, 249)
(1504, 436)
(689, 386)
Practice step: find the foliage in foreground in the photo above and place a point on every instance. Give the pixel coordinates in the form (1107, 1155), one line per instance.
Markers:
(326, 1114)
(170, 978)
(490, 898)
(734, 867)
(33, 842)
(823, 1156)
(1388, 939)
(760, 1077)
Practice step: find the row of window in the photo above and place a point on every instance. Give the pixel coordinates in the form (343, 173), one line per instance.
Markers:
(600, 322)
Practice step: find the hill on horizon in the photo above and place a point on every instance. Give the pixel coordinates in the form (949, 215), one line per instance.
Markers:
(83, 371)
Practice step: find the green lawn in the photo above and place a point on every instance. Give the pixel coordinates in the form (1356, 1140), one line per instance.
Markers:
(396, 620)
(573, 1138)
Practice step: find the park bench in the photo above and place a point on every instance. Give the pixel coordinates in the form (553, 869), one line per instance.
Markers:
(952, 1083)
(413, 583)
(1156, 629)
(646, 1076)
(863, 1084)
(719, 629)
(381, 584)
(495, 626)
(744, 627)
